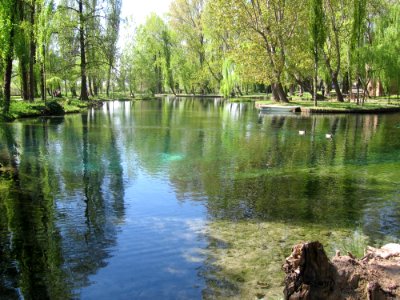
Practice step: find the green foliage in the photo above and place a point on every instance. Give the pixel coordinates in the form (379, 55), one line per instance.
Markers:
(317, 26)
(5, 27)
(147, 62)
(383, 55)
(54, 82)
(289, 43)
(229, 79)
(20, 109)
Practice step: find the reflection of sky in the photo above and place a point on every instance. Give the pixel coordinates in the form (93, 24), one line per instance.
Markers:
(382, 218)
(159, 247)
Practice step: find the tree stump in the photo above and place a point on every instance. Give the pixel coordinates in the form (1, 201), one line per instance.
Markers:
(311, 275)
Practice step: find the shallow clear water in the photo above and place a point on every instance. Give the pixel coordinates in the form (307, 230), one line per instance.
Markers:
(117, 203)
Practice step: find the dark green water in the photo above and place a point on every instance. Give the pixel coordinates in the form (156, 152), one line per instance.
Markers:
(115, 203)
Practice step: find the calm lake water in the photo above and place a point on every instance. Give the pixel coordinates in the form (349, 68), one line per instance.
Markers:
(117, 203)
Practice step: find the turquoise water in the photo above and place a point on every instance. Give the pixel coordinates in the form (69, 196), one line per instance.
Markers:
(116, 203)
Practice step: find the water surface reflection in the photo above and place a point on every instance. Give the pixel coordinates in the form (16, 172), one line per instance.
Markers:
(138, 199)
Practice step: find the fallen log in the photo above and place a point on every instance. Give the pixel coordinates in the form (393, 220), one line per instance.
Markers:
(311, 275)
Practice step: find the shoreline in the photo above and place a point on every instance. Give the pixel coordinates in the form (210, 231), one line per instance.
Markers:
(37, 109)
(382, 110)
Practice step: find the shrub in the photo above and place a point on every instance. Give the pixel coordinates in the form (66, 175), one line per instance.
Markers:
(54, 108)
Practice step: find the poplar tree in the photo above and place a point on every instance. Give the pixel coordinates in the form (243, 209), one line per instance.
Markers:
(358, 28)
(317, 35)
(8, 20)
(113, 22)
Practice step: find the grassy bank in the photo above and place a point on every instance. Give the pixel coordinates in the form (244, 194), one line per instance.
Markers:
(371, 106)
(37, 108)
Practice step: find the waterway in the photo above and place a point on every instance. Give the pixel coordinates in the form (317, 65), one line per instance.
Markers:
(187, 198)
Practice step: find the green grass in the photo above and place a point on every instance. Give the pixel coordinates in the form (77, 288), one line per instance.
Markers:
(340, 106)
(24, 109)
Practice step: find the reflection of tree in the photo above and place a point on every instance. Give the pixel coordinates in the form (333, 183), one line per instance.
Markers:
(34, 242)
(66, 196)
(89, 228)
(8, 161)
(63, 203)
(261, 168)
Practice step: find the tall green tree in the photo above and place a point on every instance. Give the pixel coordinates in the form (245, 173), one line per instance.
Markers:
(111, 38)
(78, 13)
(44, 29)
(317, 35)
(8, 21)
(148, 58)
(357, 34)
(338, 29)
(264, 34)
(384, 54)
(186, 21)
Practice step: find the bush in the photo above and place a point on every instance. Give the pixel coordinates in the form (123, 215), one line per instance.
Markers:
(54, 108)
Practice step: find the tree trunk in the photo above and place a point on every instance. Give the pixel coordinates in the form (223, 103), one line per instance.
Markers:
(7, 82)
(239, 90)
(8, 70)
(43, 82)
(32, 55)
(90, 86)
(24, 78)
(95, 87)
(335, 82)
(84, 92)
(278, 93)
(315, 79)
(311, 275)
(108, 79)
(65, 88)
(73, 92)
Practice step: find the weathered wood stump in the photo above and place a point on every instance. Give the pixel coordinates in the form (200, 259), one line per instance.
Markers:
(310, 275)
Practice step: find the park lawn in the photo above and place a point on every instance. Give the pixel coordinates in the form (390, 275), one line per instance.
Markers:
(370, 104)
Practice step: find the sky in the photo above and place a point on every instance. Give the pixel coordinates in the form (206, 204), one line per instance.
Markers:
(138, 10)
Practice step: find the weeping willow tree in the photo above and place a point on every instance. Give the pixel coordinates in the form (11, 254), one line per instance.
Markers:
(230, 79)
(386, 49)
(358, 29)
(318, 36)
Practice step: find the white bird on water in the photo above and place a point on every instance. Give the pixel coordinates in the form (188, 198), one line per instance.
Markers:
(329, 135)
(302, 132)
